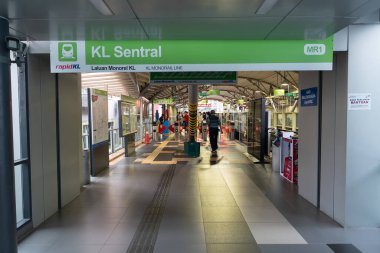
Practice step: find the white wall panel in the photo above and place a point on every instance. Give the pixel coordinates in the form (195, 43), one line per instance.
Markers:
(308, 142)
(333, 142)
(328, 142)
(42, 124)
(70, 120)
(340, 138)
(363, 152)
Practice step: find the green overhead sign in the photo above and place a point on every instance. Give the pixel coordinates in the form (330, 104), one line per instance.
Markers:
(168, 101)
(203, 93)
(190, 55)
(128, 99)
(193, 77)
(209, 93)
(279, 92)
(213, 92)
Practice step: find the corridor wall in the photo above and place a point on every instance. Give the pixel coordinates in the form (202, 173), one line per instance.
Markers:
(70, 128)
(363, 152)
(308, 144)
(43, 129)
(43, 145)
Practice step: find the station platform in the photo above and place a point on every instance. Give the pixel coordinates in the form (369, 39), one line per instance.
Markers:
(164, 202)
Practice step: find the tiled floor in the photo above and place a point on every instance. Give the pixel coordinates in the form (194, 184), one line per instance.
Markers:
(223, 204)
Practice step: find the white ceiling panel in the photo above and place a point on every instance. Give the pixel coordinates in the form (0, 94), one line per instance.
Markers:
(327, 8)
(180, 19)
(50, 9)
(222, 29)
(195, 8)
(367, 8)
(307, 28)
(80, 29)
(281, 8)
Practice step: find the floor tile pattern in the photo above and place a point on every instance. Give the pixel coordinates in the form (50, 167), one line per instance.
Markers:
(147, 231)
(212, 204)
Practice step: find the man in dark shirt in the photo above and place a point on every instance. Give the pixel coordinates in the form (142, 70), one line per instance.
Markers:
(213, 123)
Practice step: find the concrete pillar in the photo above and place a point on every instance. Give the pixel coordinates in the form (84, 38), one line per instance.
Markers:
(7, 180)
(192, 148)
(142, 128)
(193, 111)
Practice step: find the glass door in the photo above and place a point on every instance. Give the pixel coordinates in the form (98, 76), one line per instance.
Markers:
(21, 143)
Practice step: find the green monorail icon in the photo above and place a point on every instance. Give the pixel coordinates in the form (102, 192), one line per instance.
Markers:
(67, 51)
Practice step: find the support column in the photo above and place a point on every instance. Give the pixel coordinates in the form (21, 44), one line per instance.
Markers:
(193, 110)
(192, 148)
(7, 180)
(142, 128)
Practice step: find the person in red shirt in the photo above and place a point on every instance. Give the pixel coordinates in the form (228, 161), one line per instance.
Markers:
(186, 121)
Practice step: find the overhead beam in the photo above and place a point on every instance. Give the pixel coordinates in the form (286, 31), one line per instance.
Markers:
(286, 79)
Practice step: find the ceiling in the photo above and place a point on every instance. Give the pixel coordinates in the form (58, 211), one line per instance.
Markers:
(46, 20)
(115, 83)
(174, 19)
(249, 85)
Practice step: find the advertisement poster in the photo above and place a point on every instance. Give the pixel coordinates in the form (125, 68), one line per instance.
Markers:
(288, 168)
(99, 113)
(128, 115)
(295, 161)
(359, 101)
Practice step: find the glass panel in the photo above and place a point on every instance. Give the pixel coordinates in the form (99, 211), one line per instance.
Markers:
(20, 142)
(133, 118)
(279, 120)
(17, 148)
(85, 135)
(110, 137)
(257, 128)
(289, 120)
(85, 127)
(19, 193)
(118, 143)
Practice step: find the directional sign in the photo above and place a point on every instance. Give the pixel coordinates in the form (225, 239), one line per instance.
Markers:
(193, 77)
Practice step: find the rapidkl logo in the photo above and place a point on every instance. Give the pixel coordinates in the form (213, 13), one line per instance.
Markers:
(68, 67)
(67, 51)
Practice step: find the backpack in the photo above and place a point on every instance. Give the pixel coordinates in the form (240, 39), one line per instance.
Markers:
(213, 122)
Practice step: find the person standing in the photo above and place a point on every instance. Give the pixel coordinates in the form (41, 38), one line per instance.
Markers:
(214, 127)
(186, 121)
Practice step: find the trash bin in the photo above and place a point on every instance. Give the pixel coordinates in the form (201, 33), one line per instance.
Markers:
(86, 167)
(176, 131)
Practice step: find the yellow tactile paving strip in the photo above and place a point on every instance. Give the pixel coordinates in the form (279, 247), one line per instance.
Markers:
(159, 150)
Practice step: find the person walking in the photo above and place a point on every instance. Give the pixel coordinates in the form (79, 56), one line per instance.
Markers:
(213, 123)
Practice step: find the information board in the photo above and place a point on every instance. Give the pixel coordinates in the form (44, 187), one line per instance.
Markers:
(193, 77)
(99, 115)
(309, 97)
(359, 101)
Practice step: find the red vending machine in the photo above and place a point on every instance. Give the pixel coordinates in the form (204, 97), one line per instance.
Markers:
(290, 169)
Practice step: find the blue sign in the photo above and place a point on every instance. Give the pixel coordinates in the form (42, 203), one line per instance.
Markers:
(309, 97)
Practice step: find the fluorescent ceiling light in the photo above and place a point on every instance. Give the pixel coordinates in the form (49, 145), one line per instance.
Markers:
(258, 91)
(266, 6)
(102, 7)
(284, 84)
